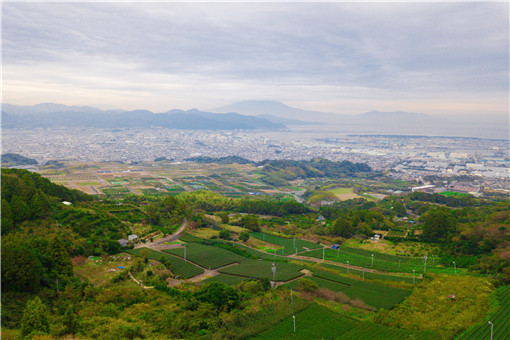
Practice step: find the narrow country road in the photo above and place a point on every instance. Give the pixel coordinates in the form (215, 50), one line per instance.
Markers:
(168, 238)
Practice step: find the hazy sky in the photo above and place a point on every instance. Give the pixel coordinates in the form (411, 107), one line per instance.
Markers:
(435, 58)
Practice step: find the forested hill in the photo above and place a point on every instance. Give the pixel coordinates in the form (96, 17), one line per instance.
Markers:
(28, 196)
(278, 172)
(9, 159)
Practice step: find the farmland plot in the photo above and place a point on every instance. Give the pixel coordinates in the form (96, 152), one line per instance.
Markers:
(226, 279)
(383, 262)
(500, 319)
(372, 331)
(206, 256)
(259, 269)
(315, 322)
(179, 266)
(288, 245)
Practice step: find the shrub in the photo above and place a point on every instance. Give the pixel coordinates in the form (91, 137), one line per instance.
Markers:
(307, 285)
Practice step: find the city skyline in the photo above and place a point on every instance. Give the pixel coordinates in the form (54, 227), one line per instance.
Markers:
(444, 60)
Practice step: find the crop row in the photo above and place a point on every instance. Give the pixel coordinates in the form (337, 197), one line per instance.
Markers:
(372, 331)
(372, 294)
(259, 269)
(377, 262)
(288, 245)
(315, 322)
(180, 267)
(500, 320)
(373, 276)
(226, 279)
(206, 256)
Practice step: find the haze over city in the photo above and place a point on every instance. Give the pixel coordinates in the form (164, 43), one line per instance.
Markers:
(446, 60)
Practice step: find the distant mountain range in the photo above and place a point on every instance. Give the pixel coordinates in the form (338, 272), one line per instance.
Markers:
(56, 115)
(264, 115)
(373, 122)
(272, 110)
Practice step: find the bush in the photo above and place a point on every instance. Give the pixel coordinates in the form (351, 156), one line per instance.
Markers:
(307, 285)
(225, 234)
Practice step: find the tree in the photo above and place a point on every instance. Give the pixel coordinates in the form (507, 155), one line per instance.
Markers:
(251, 222)
(39, 204)
(21, 270)
(71, 320)
(59, 257)
(219, 294)
(224, 217)
(20, 210)
(342, 227)
(7, 221)
(144, 253)
(244, 236)
(35, 318)
(307, 285)
(439, 225)
(225, 234)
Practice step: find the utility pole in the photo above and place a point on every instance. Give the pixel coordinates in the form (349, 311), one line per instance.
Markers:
(492, 328)
(414, 272)
(184, 252)
(273, 269)
(454, 267)
(347, 267)
(372, 260)
(323, 250)
(425, 265)
(292, 306)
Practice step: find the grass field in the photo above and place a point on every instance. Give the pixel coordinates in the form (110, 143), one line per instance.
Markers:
(342, 191)
(451, 193)
(288, 245)
(315, 322)
(180, 267)
(259, 269)
(206, 256)
(500, 319)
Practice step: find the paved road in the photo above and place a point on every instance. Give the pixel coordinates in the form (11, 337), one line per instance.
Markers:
(169, 238)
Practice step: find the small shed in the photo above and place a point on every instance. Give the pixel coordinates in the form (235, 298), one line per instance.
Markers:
(321, 218)
(123, 242)
(66, 203)
(132, 237)
(335, 246)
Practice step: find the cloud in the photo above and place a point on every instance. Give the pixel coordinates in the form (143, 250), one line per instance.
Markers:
(201, 54)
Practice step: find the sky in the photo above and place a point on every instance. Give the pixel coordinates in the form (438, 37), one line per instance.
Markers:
(443, 59)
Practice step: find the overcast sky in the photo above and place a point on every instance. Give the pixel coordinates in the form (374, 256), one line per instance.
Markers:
(435, 58)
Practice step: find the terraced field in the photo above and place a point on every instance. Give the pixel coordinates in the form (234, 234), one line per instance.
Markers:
(259, 269)
(180, 267)
(319, 322)
(315, 322)
(288, 245)
(372, 331)
(206, 256)
(372, 294)
(384, 262)
(226, 279)
(500, 319)
(373, 276)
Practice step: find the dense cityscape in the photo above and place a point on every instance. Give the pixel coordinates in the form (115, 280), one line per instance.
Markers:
(405, 157)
